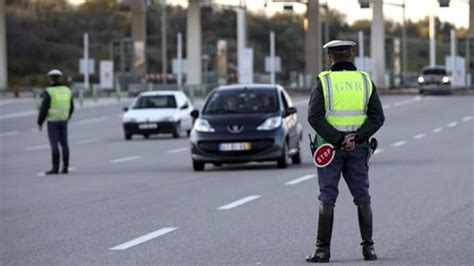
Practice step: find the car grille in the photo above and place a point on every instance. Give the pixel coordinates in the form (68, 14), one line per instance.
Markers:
(256, 147)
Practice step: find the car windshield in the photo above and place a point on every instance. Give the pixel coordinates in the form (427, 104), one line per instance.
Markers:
(155, 101)
(434, 71)
(242, 101)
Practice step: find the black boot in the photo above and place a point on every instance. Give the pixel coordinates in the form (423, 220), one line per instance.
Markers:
(55, 161)
(364, 212)
(65, 163)
(323, 242)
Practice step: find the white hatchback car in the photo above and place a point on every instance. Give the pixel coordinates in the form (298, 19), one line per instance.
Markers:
(158, 112)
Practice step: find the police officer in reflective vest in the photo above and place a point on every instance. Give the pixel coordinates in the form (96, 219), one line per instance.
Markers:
(345, 111)
(57, 107)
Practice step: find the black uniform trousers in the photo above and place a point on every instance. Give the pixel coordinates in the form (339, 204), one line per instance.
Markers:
(354, 168)
(57, 134)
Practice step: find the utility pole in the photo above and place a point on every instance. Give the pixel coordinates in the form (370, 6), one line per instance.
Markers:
(377, 42)
(180, 59)
(404, 45)
(272, 57)
(193, 43)
(313, 40)
(164, 58)
(3, 49)
(241, 38)
(432, 40)
(139, 36)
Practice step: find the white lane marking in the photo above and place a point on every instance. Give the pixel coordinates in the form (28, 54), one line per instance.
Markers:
(299, 180)
(239, 202)
(90, 120)
(179, 150)
(41, 174)
(9, 133)
(301, 102)
(437, 130)
(467, 118)
(452, 124)
(419, 136)
(18, 114)
(144, 238)
(404, 102)
(36, 148)
(386, 106)
(399, 143)
(125, 159)
(87, 141)
(378, 151)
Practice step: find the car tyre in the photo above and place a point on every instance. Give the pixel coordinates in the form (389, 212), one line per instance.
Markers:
(283, 161)
(296, 159)
(217, 164)
(176, 133)
(128, 136)
(146, 136)
(198, 166)
(188, 132)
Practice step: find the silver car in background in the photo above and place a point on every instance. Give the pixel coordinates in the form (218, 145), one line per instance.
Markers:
(434, 79)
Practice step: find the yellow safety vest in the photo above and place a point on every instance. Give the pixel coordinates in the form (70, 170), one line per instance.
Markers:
(60, 103)
(346, 96)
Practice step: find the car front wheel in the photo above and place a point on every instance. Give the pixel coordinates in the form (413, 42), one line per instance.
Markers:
(198, 166)
(128, 136)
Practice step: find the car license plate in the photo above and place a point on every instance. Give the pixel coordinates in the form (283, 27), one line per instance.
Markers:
(147, 126)
(236, 146)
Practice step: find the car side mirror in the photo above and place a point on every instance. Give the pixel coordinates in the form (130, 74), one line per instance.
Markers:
(185, 106)
(125, 108)
(195, 114)
(290, 111)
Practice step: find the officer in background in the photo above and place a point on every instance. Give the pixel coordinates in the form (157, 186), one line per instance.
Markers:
(57, 108)
(345, 111)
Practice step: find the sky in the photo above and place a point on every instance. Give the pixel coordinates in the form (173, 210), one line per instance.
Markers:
(457, 13)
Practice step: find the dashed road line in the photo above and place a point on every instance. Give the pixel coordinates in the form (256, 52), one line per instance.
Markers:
(90, 120)
(36, 148)
(399, 143)
(87, 141)
(9, 133)
(299, 180)
(419, 136)
(144, 238)
(466, 118)
(452, 124)
(179, 150)
(125, 159)
(378, 151)
(17, 114)
(408, 101)
(239, 202)
(437, 130)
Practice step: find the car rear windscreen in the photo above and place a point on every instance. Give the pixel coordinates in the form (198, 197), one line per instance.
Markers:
(155, 101)
(242, 101)
(434, 71)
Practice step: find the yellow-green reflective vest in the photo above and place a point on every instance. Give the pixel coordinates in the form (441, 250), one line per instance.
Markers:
(60, 103)
(346, 96)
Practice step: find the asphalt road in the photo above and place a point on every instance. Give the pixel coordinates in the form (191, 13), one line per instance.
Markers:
(139, 202)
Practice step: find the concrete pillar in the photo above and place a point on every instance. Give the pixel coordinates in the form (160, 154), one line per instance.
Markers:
(193, 43)
(432, 40)
(313, 39)
(139, 37)
(377, 43)
(3, 49)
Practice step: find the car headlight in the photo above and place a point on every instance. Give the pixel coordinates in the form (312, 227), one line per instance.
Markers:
(270, 123)
(202, 125)
(445, 79)
(421, 79)
(127, 119)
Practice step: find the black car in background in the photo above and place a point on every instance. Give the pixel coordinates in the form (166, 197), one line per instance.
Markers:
(244, 123)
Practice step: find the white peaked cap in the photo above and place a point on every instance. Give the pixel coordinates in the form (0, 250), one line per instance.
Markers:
(55, 72)
(338, 43)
